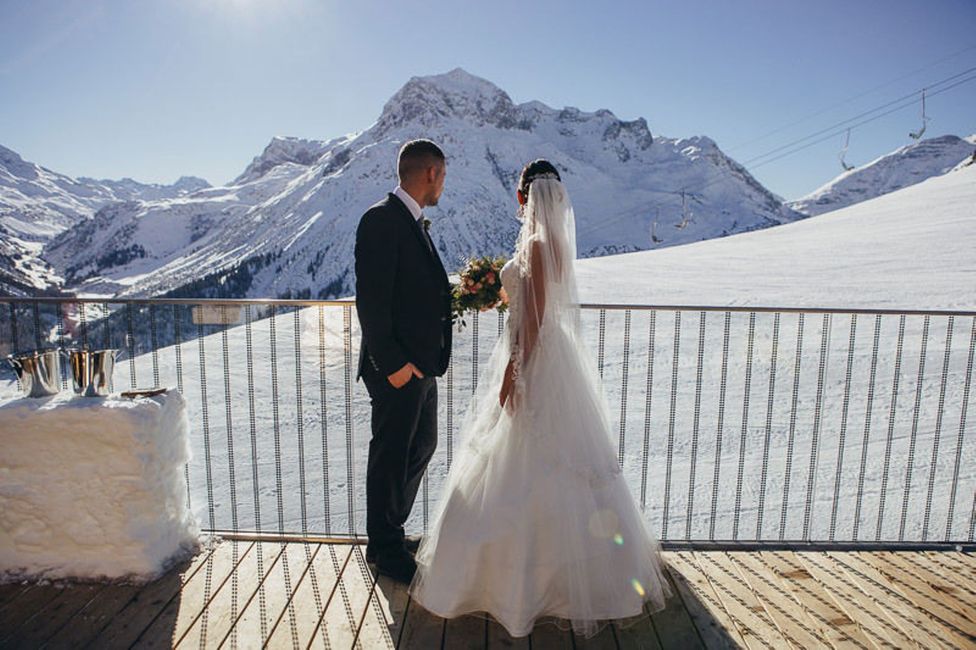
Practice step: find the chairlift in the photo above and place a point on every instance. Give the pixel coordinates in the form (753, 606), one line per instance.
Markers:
(843, 152)
(685, 219)
(915, 135)
(657, 217)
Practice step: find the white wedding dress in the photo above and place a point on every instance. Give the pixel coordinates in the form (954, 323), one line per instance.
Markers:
(536, 520)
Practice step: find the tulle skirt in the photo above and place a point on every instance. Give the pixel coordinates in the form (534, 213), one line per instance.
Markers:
(536, 520)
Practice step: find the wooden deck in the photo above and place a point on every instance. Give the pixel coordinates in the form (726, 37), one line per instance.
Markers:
(295, 595)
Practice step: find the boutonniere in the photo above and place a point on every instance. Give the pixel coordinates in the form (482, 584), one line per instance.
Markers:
(426, 225)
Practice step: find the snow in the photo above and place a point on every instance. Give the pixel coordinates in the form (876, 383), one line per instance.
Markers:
(93, 487)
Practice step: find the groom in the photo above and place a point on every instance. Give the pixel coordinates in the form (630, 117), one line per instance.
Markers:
(403, 298)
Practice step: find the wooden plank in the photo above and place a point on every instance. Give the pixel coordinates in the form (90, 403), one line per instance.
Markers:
(257, 617)
(30, 601)
(953, 562)
(499, 638)
(149, 602)
(421, 629)
(604, 639)
(757, 629)
(673, 624)
(637, 633)
(920, 625)
(969, 559)
(373, 631)
(339, 624)
(466, 633)
(47, 620)
(85, 626)
(790, 618)
(392, 597)
(224, 608)
(182, 612)
(872, 615)
(921, 593)
(957, 588)
(11, 590)
(548, 634)
(833, 622)
(715, 625)
(312, 588)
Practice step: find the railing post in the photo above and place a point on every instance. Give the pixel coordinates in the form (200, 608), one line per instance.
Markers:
(743, 434)
(842, 437)
(649, 392)
(674, 396)
(891, 427)
(937, 436)
(624, 371)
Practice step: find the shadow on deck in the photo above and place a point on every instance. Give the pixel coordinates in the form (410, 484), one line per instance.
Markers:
(254, 594)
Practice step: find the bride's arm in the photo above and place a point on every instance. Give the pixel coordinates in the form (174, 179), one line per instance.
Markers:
(534, 311)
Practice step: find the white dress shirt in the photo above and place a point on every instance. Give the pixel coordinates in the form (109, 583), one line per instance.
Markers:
(409, 201)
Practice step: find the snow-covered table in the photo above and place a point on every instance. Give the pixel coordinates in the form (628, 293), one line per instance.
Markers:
(93, 487)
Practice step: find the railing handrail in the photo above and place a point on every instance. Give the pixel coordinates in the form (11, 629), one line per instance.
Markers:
(607, 306)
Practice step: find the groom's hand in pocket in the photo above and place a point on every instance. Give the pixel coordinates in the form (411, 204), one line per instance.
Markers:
(400, 378)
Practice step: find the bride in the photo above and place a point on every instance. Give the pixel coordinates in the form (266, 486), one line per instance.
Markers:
(536, 520)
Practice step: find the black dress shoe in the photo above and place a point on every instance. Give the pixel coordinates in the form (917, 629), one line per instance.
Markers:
(411, 543)
(399, 566)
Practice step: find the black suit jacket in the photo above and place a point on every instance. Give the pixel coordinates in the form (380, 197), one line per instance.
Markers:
(403, 296)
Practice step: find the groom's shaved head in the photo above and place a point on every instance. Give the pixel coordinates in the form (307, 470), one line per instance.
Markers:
(416, 157)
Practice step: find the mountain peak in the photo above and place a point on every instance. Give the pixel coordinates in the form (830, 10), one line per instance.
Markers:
(281, 150)
(459, 82)
(455, 94)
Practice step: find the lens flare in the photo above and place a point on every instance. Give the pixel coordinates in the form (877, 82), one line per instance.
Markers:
(618, 539)
(638, 587)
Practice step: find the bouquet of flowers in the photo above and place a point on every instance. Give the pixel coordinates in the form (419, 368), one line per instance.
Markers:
(479, 288)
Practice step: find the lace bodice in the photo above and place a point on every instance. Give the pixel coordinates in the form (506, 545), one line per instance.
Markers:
(510, 281)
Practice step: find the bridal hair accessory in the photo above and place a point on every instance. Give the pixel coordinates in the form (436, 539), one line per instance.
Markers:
(542, 176)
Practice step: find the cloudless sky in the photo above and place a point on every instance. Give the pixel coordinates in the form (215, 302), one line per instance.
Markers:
(155, 89)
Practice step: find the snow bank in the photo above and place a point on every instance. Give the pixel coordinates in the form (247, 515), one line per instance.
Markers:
(93, 487)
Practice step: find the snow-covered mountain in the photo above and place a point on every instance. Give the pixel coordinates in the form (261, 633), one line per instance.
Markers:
(127, 189)
(905, 166)
(37, 204)
(296, 236)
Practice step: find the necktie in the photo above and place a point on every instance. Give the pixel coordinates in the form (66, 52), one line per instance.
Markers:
(430, 243)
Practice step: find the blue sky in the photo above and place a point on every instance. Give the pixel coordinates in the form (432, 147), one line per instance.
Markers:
(154, 89)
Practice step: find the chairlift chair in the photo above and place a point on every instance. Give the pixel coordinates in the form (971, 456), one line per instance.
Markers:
(915, 135)
(685, 219)
(843, 152)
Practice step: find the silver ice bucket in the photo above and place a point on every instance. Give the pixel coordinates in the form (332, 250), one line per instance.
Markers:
(91, 371)
(39, 372)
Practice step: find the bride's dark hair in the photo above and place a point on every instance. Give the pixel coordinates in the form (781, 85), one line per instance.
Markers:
(533, 170)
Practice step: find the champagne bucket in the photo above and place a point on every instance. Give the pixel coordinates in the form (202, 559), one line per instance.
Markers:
(39, 372)
(91, 371)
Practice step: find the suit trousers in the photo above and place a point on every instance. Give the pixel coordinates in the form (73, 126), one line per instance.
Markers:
(404, 437)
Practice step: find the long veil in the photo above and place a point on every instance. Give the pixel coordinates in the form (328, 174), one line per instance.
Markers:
(534, 506)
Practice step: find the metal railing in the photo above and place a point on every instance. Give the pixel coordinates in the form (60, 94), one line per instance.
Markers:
(733, 425)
